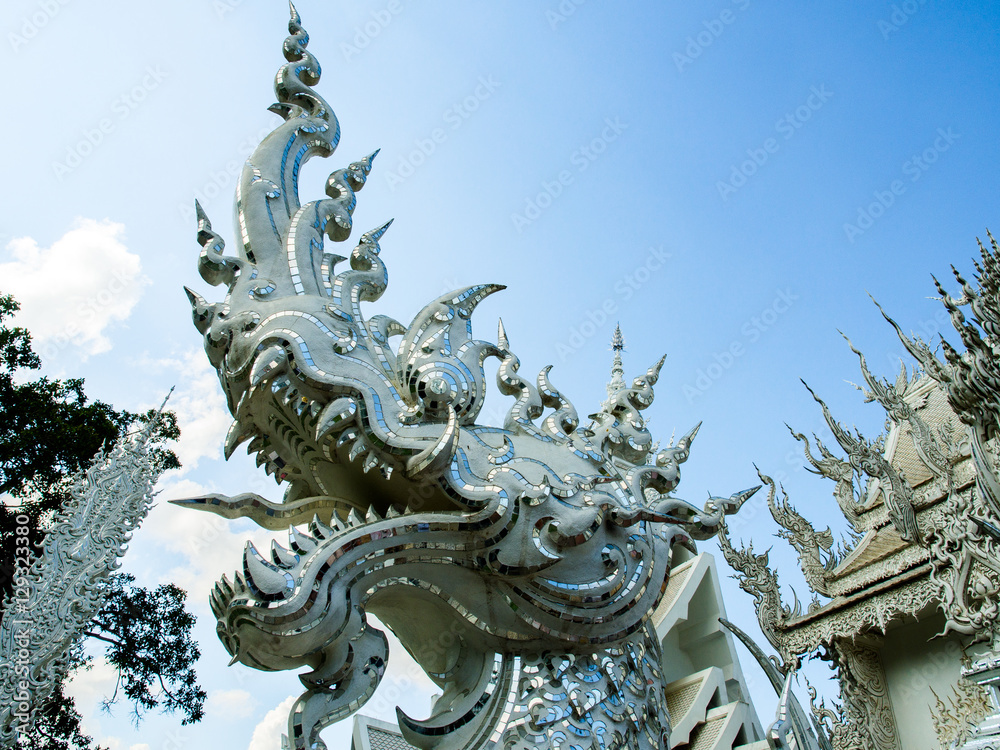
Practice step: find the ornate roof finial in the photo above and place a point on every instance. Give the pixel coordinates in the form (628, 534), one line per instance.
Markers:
(617, 381)
(618, 341)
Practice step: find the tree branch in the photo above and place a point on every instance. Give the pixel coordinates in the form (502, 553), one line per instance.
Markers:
(100, 637)
(164, 687)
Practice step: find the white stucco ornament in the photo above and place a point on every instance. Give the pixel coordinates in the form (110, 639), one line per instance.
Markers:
(62, 586)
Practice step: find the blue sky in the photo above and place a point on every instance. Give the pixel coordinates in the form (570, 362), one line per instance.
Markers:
(728, 180)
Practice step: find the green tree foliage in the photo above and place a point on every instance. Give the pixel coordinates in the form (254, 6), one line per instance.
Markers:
(48, 431)
(149, 642)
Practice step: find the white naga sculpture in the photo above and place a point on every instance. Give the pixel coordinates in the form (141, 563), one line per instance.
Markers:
(517, 564)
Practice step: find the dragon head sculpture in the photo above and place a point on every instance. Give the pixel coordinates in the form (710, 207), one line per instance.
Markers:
(506, 559)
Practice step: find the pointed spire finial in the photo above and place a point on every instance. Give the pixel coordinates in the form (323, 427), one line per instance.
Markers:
(617, 381)
(618, 341)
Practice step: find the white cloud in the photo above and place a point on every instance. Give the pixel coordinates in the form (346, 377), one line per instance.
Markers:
(200, 406)
(208, 544)
(140, 746)
(267, 734)
(72, 292)
(173, 487)
(230, 704)
(201, 411)
(87, 687)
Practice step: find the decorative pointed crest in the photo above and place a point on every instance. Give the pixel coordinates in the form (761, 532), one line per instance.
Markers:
(617, 381)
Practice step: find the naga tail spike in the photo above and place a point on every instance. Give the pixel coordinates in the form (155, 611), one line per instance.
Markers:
(653, 373)
(502, 341)
(374, 235)
(201, 311)
(564, 420)
(294, 82)
(355, 174)
(917, 349)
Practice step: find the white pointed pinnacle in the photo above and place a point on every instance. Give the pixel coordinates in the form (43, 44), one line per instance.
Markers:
(320, 529)
(282, 557)
(502, 341)
(374, 235)
(301, 543)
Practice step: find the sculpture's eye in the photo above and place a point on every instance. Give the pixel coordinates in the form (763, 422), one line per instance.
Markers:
(438, 386)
